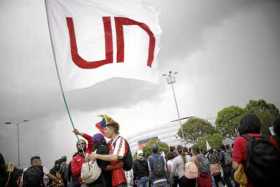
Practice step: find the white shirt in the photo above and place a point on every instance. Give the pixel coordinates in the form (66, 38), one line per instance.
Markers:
(118, 146)
(179, 166)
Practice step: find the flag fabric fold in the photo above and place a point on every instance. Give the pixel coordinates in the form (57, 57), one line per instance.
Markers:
(97, 40)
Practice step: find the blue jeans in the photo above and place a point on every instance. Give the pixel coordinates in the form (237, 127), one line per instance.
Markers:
(143, 182)
(160, 184)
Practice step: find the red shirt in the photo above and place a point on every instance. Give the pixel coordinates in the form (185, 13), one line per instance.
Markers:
(89, 143)
(78, 159)
(239, 152)
(118, 174)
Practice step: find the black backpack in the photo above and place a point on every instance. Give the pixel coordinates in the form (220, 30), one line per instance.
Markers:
(157, 166)
(127, 159)
(263, 162)
(33, 177)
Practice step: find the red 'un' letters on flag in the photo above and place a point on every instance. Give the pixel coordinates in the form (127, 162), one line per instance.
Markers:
(119, 23)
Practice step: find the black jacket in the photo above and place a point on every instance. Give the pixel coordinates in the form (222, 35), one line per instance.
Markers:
(140, 169)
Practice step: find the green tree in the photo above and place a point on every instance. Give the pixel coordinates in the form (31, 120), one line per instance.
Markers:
(215, 141)
(196, 128)
(148, 147)
(228, 120)
(267, 112)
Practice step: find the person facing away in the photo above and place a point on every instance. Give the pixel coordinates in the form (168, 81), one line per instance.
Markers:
(179, 167)
(226, 163)
(141, 170)
(214, 157)
(3, 173)
(118, 150)
(258, 155)
(250, 125)
(34, 175)
(170, 167)
(157, 168)
(275, 134)
(203, 165)
(60, 171)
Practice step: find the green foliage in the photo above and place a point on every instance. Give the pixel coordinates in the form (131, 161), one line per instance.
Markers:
(148, 147)
(259, 106)
(228, 120)
(266, 112)
(195, 128)
(214, 140)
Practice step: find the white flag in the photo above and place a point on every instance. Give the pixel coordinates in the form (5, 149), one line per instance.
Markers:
(208, 147)
(94, 40)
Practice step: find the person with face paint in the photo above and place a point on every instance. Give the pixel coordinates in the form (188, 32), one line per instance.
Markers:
(78, 158)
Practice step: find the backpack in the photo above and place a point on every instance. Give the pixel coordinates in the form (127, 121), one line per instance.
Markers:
(214, 158)
(215, 169)
(191, 170)
(33, 176)
(203, 164)
(263, 162)
(227, 158)
(157, 166)
(127, 159)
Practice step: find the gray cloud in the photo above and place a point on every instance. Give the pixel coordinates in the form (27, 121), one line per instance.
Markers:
(227, 52)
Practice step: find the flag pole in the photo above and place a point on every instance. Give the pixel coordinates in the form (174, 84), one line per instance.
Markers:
(57, 71)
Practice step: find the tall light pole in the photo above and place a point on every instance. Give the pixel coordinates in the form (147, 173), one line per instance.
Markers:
(17, 124)
(171, 80)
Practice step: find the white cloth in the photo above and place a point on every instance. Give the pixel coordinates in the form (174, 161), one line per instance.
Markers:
(119, 147)
(87, 31)
(179, 166)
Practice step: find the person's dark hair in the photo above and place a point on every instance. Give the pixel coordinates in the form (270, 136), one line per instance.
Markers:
(276, 126)
(181, 152)
(115, 126)
(170, 155)
(155, 148)
(2, 165)
(2, 160)
(172, 148)
(227, 147)
(34, 158)
(180, 149)
(195, 150)
(98, 139)
(250, 123)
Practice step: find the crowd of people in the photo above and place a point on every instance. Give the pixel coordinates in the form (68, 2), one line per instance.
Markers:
(105, 160)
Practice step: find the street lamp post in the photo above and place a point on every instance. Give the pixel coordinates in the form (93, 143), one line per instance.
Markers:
(171, 80)
(17, 124)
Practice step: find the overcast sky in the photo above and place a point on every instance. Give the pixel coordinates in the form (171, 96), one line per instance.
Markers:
(226, 52)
